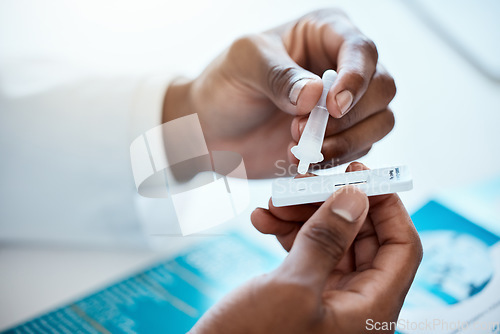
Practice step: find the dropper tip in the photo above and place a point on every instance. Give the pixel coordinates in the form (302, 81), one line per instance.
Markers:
(303, 167)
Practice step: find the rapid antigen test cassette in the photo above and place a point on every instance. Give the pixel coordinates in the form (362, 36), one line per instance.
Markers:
(290, 191)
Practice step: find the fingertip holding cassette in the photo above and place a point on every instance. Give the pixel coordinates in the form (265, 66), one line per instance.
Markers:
(290, 191)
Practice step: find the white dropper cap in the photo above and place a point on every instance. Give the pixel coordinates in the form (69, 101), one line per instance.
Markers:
(308, 150)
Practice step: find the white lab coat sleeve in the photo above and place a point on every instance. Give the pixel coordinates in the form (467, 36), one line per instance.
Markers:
(65, 164)
(147, 105)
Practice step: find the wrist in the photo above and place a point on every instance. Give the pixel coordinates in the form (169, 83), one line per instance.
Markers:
(178, 101)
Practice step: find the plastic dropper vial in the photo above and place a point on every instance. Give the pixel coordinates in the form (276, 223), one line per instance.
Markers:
(308, 150)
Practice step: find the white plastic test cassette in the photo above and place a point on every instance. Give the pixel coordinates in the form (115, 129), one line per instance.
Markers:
(290, 191)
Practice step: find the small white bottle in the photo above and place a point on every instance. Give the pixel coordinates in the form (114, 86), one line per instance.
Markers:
(308, 150)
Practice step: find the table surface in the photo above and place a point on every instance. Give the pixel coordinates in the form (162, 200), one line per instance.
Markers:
(447, 113)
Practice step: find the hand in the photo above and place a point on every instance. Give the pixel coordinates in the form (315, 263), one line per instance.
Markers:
(255, 97)
(352, 260)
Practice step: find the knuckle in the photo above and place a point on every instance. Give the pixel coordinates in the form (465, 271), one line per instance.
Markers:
(357, 79)
(371, 48)
(365, 151)
(243, 44)
(242, 50)
(328, 240)
(365, 45)
(388, 87)
(387, 121)
(418, 248)
(420, 252)
(279, 77)
(391, 120)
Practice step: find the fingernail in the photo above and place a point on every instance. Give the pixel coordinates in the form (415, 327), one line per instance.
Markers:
(302, 125)
(349, 203)
(296, 90)
(344, 100)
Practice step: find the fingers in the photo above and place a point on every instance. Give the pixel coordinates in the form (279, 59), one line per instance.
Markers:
(356, 167)
(356, 57)
(366, 245)
(355, 141)
(379, 94)
(293, 213)
(264, 64)
(399, 249)
(357, 60)
(283, 222)
(358, 137)
(324, 239)
(266, 223)
(328, 39)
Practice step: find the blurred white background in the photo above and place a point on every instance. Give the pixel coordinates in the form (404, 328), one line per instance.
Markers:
(447, 113)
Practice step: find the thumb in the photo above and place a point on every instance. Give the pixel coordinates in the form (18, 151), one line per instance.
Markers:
(265, 62)
(291, 88)
(325, 238)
